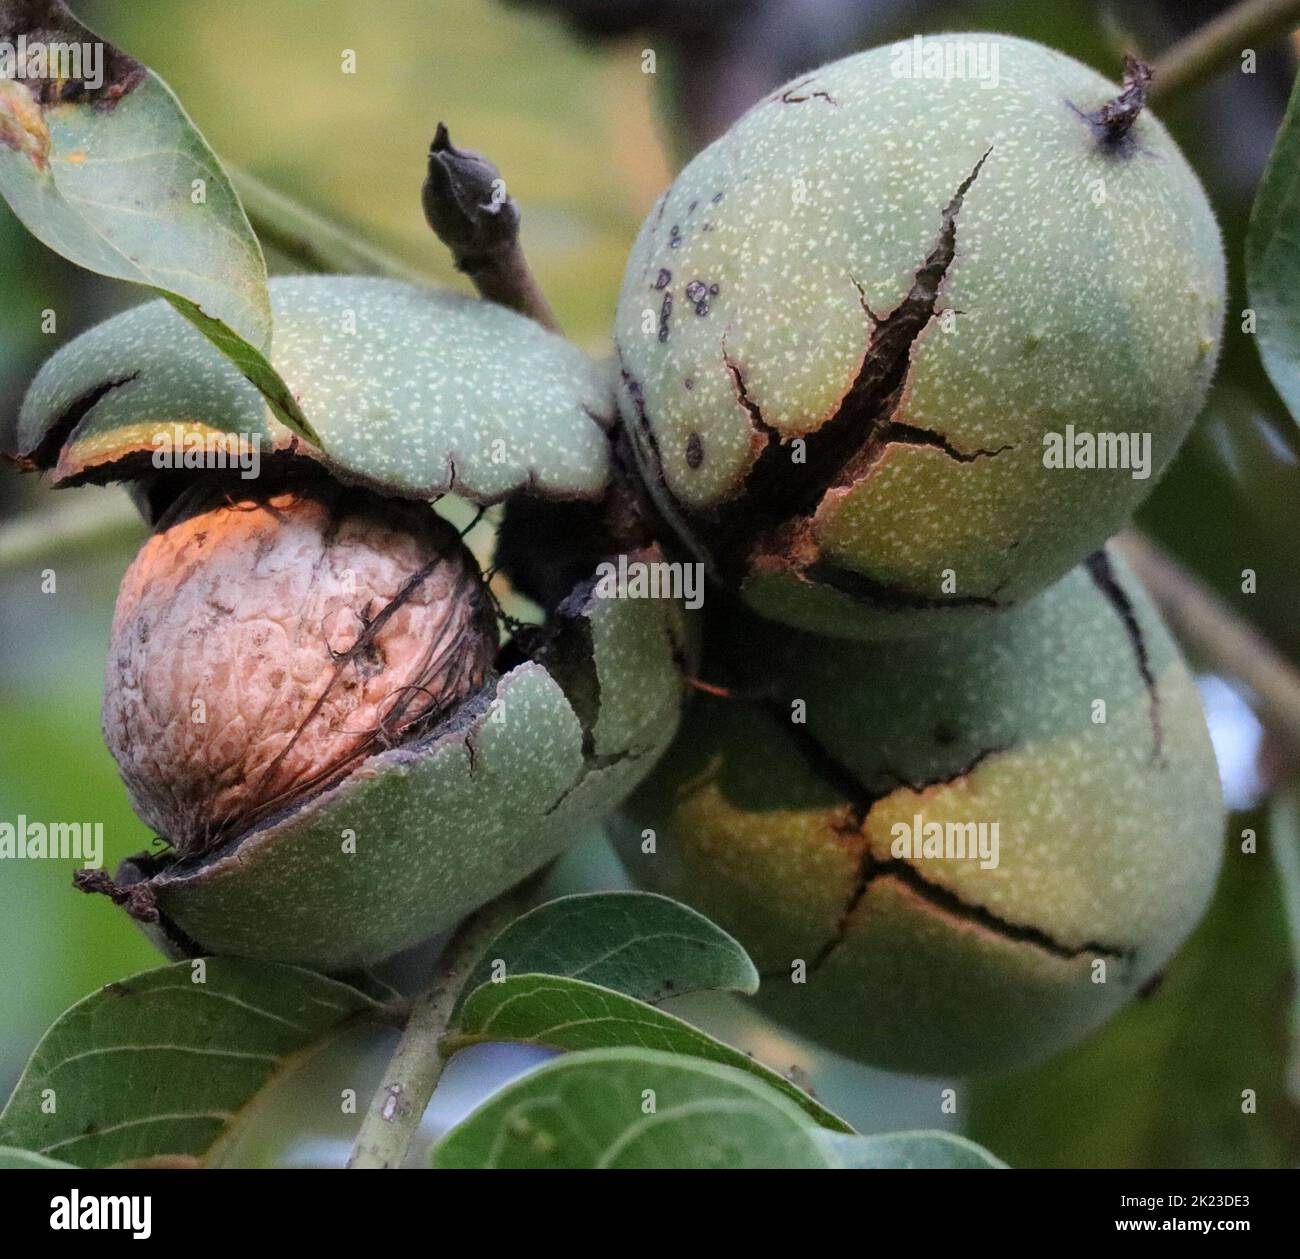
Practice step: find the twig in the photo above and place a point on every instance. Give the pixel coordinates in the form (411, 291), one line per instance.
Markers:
(95, 519)
(311, 240)
(394, 1116)
(1193, 61)
(466, 204)
(1216, 633)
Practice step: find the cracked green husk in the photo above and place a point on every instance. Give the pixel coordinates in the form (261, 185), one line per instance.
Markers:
(1072, 283)
(414, 393)
(1109, 830)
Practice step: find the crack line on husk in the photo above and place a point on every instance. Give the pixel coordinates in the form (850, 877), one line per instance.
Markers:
(860, 800)
(60, 431)
(771, 507)
(948, 903)
(1103, 577)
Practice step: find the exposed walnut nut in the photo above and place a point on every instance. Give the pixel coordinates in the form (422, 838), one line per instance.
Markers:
(261, 648)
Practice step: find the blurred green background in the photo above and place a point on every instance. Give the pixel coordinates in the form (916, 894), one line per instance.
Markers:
(586, 142)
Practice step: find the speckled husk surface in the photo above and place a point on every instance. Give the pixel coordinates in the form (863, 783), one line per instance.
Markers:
(1109, 830)
(920, 278)
(413, 391)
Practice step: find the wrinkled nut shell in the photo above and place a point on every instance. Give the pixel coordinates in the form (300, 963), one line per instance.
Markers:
(260, 649)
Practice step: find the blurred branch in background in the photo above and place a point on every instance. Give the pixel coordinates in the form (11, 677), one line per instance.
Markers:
(89, 518)
(312, 241)
(1211, 48)
(1216, 635)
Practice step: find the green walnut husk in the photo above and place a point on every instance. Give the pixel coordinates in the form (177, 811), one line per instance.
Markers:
(1071, 723)
(863, 330)
(413, 392)
(342, 828)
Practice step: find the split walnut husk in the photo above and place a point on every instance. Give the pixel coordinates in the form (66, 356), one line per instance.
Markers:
(305, 694)
(263, 646)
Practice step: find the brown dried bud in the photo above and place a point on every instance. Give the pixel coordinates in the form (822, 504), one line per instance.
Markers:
(466, 205)
(262, 648)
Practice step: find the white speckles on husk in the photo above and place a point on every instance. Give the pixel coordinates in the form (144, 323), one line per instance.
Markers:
(1110, 831)
(1087, 288)
(412, 391)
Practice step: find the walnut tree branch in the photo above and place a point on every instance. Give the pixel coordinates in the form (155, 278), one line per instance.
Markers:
(1213, 631)
(468, 207)
(413, 1072)
(310, 240)
(1196, 59)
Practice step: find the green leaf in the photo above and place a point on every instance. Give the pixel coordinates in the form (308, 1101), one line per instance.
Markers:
(1273, 259)
(159, 1064)
(13, 1159)
(572, 1014)
(637, 943)
(634, 1108)
(908, 1150)
(120, 181)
